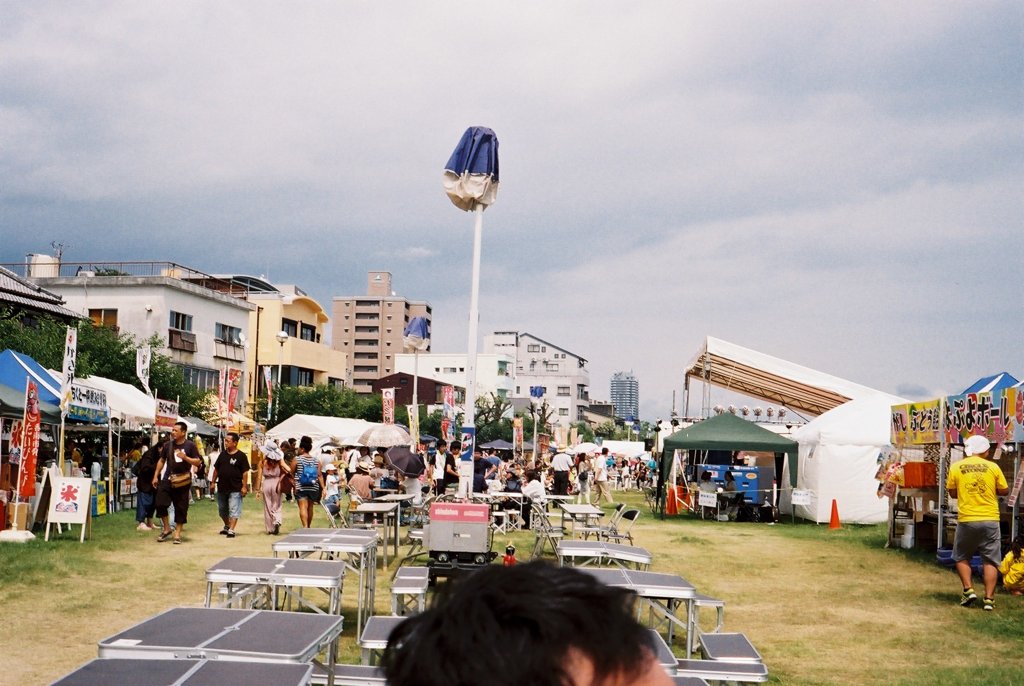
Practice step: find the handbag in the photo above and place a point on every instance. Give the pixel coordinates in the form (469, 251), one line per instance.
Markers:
(181, 480)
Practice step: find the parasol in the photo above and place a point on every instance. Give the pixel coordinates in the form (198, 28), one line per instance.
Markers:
(384, 436)
(405, 461)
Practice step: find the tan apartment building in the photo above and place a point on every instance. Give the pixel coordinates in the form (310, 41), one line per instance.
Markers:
(368, 329)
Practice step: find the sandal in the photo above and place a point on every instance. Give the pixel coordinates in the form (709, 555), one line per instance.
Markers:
(177, 541)
(164, 535)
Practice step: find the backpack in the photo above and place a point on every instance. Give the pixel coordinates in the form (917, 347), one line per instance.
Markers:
(308, 475)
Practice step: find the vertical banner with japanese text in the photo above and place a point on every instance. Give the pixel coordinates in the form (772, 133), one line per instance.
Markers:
(448, 413)
(387, 397)
(68, 375)
(29, 442)
(143, 357)
(414, 423)
(270, 391)
(517, 436)
(234, 381)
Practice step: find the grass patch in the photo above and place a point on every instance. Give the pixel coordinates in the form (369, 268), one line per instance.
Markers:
(822, 607)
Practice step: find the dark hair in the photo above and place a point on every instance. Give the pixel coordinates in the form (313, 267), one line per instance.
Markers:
(232, 435)
(510, 626)
(532, 475)
(183, 426)
(306, 443)
(1017, 546)
(442, 444)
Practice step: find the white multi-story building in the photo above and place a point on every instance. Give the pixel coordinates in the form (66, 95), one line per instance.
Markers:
(494, 371)
(562, 374)
(196, 315)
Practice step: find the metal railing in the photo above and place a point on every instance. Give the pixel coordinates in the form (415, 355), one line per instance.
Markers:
(64, 270)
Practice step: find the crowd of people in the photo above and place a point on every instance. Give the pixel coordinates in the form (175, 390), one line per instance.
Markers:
(295, 471)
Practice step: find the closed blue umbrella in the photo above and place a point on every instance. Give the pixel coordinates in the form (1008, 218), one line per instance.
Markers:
(471, 182)
(471, 175)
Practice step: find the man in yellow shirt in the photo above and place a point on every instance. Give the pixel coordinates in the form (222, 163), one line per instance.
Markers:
(976, 482)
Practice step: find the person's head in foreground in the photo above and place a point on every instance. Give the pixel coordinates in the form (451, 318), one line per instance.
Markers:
(531, 624)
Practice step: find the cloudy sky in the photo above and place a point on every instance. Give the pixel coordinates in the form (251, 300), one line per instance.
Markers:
(839, 184)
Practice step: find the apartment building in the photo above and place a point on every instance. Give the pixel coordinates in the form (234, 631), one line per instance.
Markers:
(562, 374)
(368, 329)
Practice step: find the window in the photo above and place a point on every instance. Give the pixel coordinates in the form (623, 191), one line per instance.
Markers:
(307, 332)
(450, 370)
(228, 334)
(104, 318)
(367, 315)
(290, 327)
(367, 329)
(543, 348)
(563, 390)
(304, 377)
(533, 348)
(200, 377)
(181, 322)
(563, 412)
(551, 366)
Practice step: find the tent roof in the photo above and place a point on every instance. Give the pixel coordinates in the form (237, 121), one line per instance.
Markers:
(728, 432)
(339, 429)
(12, 406)
(992, 383)
(199, 426)
(864, 421)
(123, 399)
(15, 367)
(749, 372)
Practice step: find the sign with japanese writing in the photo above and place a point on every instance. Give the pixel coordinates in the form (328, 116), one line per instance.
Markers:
(143, 357)
(801, 497)
(710, 499)
(29, 442)
(517, 436)
(88, 404)
(414, 423)
(166, 413)
(916, 423)
(69, 503)
(234, 381)
(997, 415)
(388, 405)
(68, 375)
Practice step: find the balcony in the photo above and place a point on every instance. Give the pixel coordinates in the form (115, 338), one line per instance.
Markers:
(182, 340)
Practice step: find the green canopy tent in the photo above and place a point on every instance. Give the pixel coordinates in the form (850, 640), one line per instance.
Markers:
(725, 432)
(12, 406)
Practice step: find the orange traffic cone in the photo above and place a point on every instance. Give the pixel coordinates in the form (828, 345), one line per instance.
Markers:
(833, 523)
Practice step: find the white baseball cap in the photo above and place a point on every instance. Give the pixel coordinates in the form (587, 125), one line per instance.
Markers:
(976, 445)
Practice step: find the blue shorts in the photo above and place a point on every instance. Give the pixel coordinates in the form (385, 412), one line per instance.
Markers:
(229, 505)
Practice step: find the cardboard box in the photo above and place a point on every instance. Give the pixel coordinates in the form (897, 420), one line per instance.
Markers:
(18, 512)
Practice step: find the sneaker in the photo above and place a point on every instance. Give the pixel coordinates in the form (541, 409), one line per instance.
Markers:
(230, 534)
(988, 604)
(968, 597)
(143, 527)
(225, 530)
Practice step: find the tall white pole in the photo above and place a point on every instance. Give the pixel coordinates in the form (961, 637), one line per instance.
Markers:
(415, 399)
(466, 469)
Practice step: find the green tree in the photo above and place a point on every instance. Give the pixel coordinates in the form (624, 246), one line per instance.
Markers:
(324, 400)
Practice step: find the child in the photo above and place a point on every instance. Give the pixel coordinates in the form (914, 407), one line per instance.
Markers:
(1012, 567)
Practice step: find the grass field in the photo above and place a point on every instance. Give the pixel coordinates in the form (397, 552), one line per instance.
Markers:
(822, 607)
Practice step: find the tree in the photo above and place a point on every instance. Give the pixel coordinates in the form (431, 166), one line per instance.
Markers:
(323, 400)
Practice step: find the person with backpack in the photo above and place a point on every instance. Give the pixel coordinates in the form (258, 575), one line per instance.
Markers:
(583, 479)
(309, 481)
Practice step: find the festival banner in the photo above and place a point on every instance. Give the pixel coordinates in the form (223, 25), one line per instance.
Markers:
(916, 423)
(414, 423)
(222, 395)
(996, 415)
(68, 375)
(517, 436)
(448, 413)
(29, 442)
(234, 381)
(143, 358)
(166, 413)
(17, 431)
(270, 392)
(387, 396)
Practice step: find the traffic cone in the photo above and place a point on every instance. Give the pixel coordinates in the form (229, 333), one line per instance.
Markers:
(833, 523)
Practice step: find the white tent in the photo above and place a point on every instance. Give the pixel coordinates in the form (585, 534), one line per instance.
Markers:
(320, 429)
(624, 448)
(839, 458)
(126, 402)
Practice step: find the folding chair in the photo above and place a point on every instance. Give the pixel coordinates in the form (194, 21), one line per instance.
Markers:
(627, 520)
(598, 529)
(332, 517)
(546, 532)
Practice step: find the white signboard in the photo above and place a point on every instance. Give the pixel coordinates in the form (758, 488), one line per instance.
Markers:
(801, 497)
(707, 499)
(166, 413)
(69, 503)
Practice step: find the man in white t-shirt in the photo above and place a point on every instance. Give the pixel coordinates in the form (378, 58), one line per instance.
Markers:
(601, 477)
(352, 458)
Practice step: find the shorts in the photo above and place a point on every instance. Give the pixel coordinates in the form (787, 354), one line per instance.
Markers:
(977, 537)
(308, 493)
(178, 497)
(229, 505)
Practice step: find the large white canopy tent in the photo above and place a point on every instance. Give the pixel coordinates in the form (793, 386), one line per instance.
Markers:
(319, 428)
(838, 449)
(838, 460)
(733, 367)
